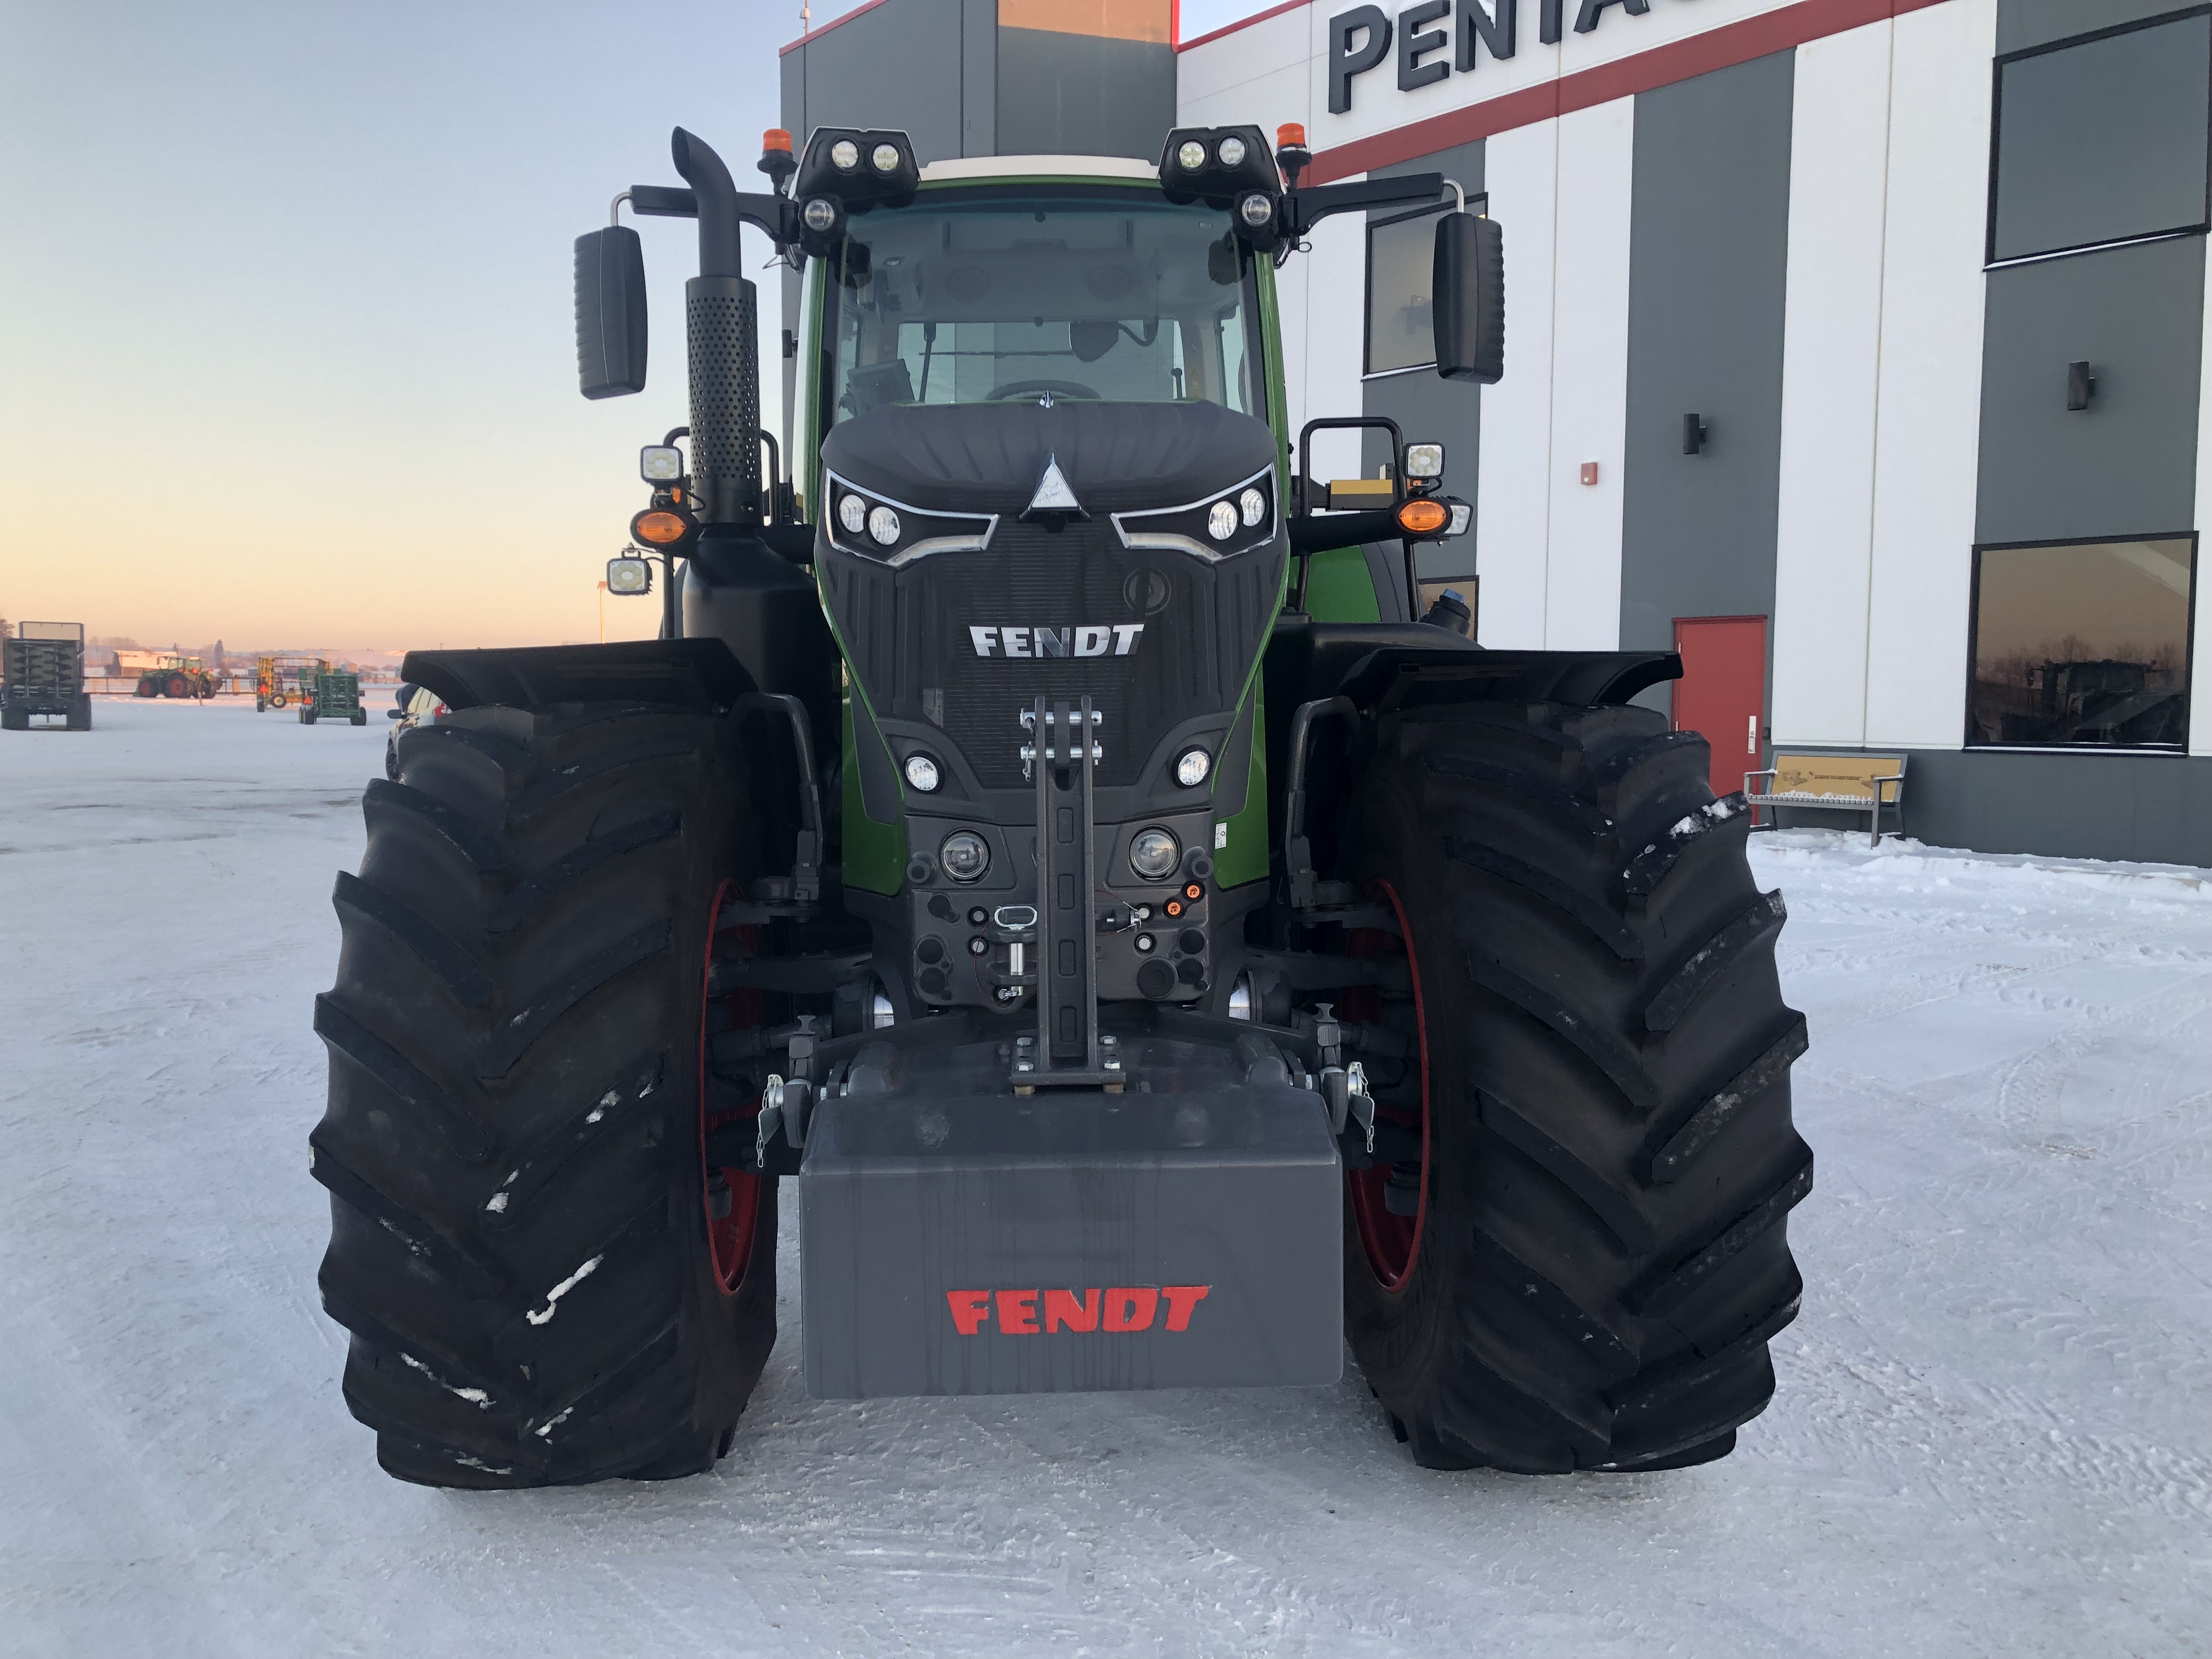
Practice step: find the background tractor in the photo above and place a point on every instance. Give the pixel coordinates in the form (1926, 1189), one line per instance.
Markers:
(180, 677)
(1159, 951)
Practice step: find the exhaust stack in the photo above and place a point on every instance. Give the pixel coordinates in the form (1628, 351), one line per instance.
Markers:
(721, 308)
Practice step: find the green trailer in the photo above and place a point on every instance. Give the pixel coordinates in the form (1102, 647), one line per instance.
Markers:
(331, 694)
(42, 673)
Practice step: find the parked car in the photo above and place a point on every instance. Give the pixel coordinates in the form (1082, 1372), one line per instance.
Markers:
(412, 706)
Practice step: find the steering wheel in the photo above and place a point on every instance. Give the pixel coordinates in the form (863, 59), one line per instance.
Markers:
(1030, 388)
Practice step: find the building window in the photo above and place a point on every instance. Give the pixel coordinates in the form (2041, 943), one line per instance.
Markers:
(2082, 644)
(1401, 254)
(2101, 139)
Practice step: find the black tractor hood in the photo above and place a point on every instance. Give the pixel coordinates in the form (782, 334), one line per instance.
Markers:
(990, 457)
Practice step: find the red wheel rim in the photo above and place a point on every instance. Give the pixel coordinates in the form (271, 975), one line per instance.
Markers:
(729, 1237)
(177, 688)
(1392, 1241)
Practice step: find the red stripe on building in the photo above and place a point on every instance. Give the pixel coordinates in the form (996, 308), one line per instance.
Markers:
(1662, 66)
(816, 34)
(1241, 23)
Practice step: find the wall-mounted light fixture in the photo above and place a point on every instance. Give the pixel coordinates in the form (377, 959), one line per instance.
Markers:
(1695, 433)
(2080, 385)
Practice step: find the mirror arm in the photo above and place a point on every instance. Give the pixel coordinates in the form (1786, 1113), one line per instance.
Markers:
(774, 216)
(1305, 209)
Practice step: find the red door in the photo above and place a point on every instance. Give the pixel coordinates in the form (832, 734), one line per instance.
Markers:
(1722, 692)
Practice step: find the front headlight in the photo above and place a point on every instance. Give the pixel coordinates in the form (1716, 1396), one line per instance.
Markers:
(894, 532)
(1228, 522)
(1154, 853)
(964, 855)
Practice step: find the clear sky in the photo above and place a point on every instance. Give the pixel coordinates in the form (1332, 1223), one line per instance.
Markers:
(287, 345)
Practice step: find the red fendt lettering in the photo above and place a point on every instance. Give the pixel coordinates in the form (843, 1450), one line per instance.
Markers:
(1061, 1308)
(1118, 1308)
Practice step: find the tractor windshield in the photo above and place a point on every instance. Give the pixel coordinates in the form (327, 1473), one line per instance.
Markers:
(1106, 294)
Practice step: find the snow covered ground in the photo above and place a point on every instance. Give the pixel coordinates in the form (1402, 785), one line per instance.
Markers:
(1994, 1433)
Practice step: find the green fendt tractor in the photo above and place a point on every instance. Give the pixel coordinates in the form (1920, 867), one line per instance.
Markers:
(182, 677)
(1051, 838)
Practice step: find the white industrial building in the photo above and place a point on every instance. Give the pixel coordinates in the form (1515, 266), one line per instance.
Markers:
(1854, 346)
(1782, 217)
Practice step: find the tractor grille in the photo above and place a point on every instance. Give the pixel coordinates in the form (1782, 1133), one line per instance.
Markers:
(908, 631)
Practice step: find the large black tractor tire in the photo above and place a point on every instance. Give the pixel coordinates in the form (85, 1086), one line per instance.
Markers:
(523, 1246)
(14, 718)
(1589, 1232)
(80, 714)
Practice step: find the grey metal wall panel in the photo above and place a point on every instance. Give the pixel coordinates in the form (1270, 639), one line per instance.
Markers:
(1079, 94)
(978, 77)
(2103, 140)
(792, 75)
(2157, 808)
(793, 118)
(1709, 232)
(897, 65)
(1426, 408)
(2024, 23)
(2128, 463)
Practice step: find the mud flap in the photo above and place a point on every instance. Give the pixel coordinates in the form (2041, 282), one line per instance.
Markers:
(1068, 1242)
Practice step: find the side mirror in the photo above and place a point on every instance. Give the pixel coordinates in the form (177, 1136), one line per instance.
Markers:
(1469, 295)
(609, 311)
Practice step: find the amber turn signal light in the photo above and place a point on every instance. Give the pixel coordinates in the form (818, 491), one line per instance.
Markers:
(1423, 517)
(1193, 892)
(658, 527)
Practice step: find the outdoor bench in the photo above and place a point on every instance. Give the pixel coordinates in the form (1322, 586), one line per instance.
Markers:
(1871, 784)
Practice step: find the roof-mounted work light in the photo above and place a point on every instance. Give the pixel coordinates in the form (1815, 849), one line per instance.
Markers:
(858, 169)
(1228, 167)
